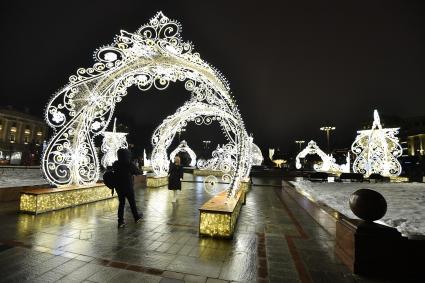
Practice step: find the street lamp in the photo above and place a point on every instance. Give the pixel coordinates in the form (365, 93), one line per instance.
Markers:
(206, 143)
(300, 143)
(327, 129)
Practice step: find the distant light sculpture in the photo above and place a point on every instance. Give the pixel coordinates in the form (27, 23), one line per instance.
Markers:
(153, 56)
(112, 141)
(278, 158)
(146, 161)
(257, 156)
(278, 162)
(271, 153)
(183, 147)
(328, 161)
(377, 150)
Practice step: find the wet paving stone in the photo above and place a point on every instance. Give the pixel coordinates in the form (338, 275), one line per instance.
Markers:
(196, 266)
(240, 266)
(83, 243)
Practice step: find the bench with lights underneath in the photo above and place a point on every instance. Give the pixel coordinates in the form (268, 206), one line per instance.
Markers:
(207, 172)
(42, 200)
(218, 216)
(156, 182)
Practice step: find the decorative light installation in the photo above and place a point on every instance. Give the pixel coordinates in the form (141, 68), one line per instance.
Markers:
(257, 156)
(183, 147)
(276, 157)
(224, 159)
(153, 56)
(377, 150)
(112, 141)
(328, 162)
(146, 161)
(271, 153)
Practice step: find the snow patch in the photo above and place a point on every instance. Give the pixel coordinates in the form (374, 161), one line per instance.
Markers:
(405, 201)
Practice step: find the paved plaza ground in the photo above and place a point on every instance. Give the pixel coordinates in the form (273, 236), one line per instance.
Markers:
(275, 241)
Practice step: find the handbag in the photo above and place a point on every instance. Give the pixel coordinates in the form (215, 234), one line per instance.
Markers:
(109, 180)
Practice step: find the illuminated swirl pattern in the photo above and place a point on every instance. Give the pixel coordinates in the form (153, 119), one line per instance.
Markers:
(112, 141)
(153, 56)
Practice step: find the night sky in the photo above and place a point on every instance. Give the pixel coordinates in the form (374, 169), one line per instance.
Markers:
(292, 67)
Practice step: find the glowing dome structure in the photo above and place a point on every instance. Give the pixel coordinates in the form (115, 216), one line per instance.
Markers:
(377, 150)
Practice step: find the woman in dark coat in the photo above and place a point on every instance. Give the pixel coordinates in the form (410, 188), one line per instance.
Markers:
(175, 175)
(123, 172)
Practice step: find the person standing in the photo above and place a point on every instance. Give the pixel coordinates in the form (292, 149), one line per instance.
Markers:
(175, 176)
(124, 170)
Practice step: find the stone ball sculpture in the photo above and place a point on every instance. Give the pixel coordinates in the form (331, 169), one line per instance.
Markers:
(368, 205)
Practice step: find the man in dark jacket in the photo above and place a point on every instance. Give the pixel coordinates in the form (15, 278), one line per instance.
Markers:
(124, 171)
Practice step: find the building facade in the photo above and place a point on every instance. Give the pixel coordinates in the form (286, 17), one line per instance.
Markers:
(415, 136)
(21, 137)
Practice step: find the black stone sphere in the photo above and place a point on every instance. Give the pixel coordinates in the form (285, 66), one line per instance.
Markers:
(368, 205)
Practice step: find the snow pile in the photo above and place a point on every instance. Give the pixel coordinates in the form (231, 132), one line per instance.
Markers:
(19, 177)
(406, 201)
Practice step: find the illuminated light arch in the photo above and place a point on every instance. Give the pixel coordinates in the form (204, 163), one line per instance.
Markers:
(328, 162)
(201, 114)
(377, 150)
(153, 56)
(183, 147)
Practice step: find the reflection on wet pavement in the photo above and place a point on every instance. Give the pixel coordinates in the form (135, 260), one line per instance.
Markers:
(275, 241)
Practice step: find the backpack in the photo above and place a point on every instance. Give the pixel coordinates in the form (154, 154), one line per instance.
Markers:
(109, 180)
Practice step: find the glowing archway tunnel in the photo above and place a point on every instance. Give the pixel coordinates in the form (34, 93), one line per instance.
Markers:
(153, 56)
(183, 147)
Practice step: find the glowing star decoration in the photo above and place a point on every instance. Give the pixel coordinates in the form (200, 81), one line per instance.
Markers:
(183, 147)
(377, 150)
(151, 57)
(328, 161)
(112, 141)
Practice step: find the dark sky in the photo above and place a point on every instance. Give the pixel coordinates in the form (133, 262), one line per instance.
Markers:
(292, 67)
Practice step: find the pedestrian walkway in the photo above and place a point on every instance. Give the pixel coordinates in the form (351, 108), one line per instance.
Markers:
(275, 241)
